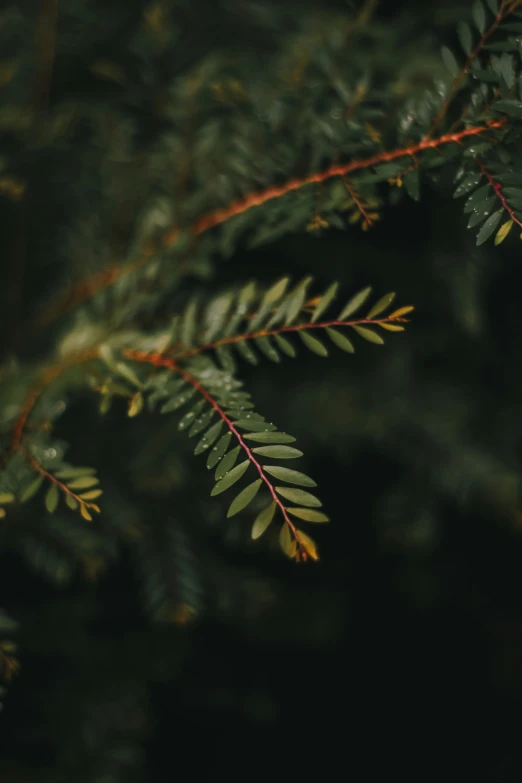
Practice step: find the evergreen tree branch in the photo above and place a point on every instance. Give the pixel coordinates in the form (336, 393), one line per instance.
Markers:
(85, 289)
(223, 316)
(506, 8)
(302, 552)
(282, 330)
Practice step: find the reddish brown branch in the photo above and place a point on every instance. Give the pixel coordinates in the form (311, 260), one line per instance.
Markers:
(23, 417)
(161, 361)
(497, 187)
(256, 199)
(106, 277)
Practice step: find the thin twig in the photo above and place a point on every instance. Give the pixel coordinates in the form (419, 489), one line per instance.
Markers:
(281, 330)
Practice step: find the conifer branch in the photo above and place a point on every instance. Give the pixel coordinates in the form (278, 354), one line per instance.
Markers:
(158, 360)
(275, 315)
(85, 289)
(506, 8)
(282, 330)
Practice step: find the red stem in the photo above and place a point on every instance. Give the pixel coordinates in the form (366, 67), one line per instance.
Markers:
(256, 199)
(162, 361)
(497, 187)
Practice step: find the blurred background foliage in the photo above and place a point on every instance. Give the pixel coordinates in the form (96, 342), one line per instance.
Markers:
(400, 652)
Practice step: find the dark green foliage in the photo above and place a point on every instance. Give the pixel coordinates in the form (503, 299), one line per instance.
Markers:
(196, 375)
(137, 153)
